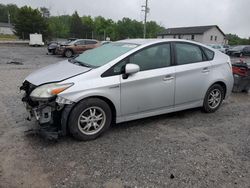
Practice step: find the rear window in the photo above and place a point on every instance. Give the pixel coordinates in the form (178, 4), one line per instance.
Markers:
(102, 55)
(209, 53)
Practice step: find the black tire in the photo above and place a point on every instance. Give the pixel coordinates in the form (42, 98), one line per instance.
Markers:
(53, 52)
(207, 106)
(78, 111)
(68, 53)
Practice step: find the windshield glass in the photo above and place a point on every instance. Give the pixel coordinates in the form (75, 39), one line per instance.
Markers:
(66, 42)
(102, 55)
(238, 48)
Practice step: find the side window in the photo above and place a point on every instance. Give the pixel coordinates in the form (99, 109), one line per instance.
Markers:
(209, 53)
(153, 57)
(81, 42)
(246, 49)
(187, 53)
(150, 58)
(90, 42)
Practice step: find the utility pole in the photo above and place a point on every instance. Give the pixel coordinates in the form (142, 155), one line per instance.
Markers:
(146, 10)
(8, 17)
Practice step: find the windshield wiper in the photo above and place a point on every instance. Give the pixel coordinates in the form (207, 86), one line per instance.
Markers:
(74, 61)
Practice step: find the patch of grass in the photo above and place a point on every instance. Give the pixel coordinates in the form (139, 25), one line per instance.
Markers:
(7, 37)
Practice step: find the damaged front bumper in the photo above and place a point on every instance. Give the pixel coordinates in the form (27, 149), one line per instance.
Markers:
(51, 114)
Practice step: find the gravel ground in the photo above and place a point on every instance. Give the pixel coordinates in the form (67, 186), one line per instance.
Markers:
(184, 149)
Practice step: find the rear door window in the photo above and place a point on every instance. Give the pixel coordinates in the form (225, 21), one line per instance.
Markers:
(188, 53)
(80, 42)
(209, 53)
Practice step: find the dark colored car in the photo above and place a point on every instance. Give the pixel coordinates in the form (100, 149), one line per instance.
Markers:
(77, 47)
(54, 44)
(239, 51)
(241, 72)
(52, 47)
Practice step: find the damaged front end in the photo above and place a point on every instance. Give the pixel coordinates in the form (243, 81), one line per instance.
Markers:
(43, 104)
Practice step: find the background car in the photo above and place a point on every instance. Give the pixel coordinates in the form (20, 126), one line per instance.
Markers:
(241, 72)
(105, 42)
(77, 47)
(127, 80)
(218, 47)
(52, 46)
(239, 51)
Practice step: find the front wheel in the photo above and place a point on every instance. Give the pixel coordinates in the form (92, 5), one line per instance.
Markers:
(213, 98)
(89, 119)
(68, 53)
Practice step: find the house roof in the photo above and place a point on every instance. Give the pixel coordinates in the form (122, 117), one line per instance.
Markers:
(2, 24)
(189, 30)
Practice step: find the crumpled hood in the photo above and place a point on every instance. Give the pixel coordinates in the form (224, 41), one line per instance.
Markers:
(56, 72)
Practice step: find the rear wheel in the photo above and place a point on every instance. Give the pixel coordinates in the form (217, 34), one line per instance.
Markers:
(89, 119)
(213, 98)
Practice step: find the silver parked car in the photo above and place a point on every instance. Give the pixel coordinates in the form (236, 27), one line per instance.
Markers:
(127, 80)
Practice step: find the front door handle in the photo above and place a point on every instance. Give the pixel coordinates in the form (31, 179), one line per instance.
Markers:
(168, 78)
(205, 70)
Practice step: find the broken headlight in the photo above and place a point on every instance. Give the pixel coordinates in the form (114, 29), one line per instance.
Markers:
(49, 90)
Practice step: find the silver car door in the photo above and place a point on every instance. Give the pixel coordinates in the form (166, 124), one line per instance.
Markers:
(153, 87)
(193, 73)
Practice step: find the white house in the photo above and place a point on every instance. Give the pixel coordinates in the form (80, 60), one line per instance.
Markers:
(6, 29)
(210, 34)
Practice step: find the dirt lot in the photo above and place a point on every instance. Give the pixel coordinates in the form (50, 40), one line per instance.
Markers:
(184, 149)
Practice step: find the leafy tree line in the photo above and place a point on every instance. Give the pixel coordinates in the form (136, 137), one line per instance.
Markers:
(236, 40)
(99, 27)
(27, 20)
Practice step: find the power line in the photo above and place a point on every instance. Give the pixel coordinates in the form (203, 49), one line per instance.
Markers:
(146, 10)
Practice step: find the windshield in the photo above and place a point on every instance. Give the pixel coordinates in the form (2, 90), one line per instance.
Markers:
(238, 48)
(66, 42)
(102, 55)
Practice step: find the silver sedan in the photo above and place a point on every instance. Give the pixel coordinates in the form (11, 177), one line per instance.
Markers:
(124, 81)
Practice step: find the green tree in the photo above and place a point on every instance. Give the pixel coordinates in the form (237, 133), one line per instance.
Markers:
(153, 29)
(59, 26)
(234, 39)
(88, 25)
(28, 21)
(127, 28)
(76, 26)
(9, 10)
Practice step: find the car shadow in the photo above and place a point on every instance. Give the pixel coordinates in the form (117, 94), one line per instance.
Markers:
(116, 129)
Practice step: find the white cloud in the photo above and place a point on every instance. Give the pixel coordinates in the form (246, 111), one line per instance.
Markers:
(231, 15)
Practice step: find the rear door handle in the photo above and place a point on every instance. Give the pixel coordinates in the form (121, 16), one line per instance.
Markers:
(205, 70)
(168, 78)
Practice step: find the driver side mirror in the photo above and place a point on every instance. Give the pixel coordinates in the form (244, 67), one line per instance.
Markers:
(130, 69)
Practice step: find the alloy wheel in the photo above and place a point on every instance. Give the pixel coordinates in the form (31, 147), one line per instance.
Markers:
(91, 120)
(214, 98)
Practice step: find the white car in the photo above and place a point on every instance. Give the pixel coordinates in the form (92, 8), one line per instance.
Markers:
(219, 47)
(127, 80)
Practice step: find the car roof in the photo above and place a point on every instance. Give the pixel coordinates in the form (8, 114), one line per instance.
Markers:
(150, 41)
(86, 39)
